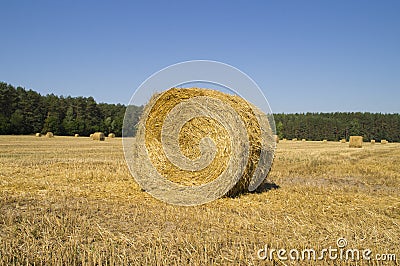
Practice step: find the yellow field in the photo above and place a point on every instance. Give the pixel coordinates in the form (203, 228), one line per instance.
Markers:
(72, 200)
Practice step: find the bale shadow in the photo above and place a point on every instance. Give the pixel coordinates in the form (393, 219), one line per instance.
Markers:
(264, 187)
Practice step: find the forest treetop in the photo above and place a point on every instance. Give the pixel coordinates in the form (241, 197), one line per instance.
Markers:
(27, 112)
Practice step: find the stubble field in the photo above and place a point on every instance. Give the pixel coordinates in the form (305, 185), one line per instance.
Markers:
(72, 200)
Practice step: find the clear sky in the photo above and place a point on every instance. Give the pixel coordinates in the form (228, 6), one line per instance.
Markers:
(317, 56)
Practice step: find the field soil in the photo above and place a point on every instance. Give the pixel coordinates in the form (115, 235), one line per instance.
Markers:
(67, 201)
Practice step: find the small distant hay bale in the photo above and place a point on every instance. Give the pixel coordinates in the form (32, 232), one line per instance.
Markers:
(99, 136)
(76, 135)
(325, 141)
(384, 141)
(111, 135)
(91, 136)
(49, 135)
(295, 139)
(38, 135)
(303, 140)
(343, 141)
(372, 141)
(276, 138)
(284, 139)
(355, 142)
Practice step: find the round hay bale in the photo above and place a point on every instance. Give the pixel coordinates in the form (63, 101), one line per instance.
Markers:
(343, 141)
(384, 141)
(38, 135)
(295, 139)
(303, 140)
(372, 141)
(111, 135)
(76, 135)
(325, 141)
(355, 141)
(49, 135)
(91, 136)
(200, 140)
(284, 139)
(98, 136)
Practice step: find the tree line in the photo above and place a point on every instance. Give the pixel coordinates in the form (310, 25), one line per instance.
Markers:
(27, 112)
(339, 125)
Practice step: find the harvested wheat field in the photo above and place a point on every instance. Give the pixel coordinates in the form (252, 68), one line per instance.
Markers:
(69, 200)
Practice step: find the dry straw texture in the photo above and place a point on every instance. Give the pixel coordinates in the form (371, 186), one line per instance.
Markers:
(372, 141)
(192, 135)
(99, 136)
(91, 136)
(343, 141)
(76, 135)
(355, 141)
(303, 140)
(75, 203)
(111, 135)
(295, 139)
(38, 135)
(384, 141)
(49, 135)
(325, 141)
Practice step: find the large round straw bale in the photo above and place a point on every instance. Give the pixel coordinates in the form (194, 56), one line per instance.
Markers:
(91, 136)
(384, 141)
(197, 137)
(372, 141)
(49, 135)
(76, 135)
(303, 140)
(98, 136)
(111, 135)
(343, 141)
(295, 139)
(325, 141)
(38, 135)
(355, 141)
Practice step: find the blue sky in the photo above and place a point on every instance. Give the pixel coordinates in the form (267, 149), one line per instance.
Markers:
(316, 56)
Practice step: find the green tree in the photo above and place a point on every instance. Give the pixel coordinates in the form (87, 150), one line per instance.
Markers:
(279, 130)
(107, 123)
(354, 129)
(69, 122)
(16, 121)
(52, 123)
